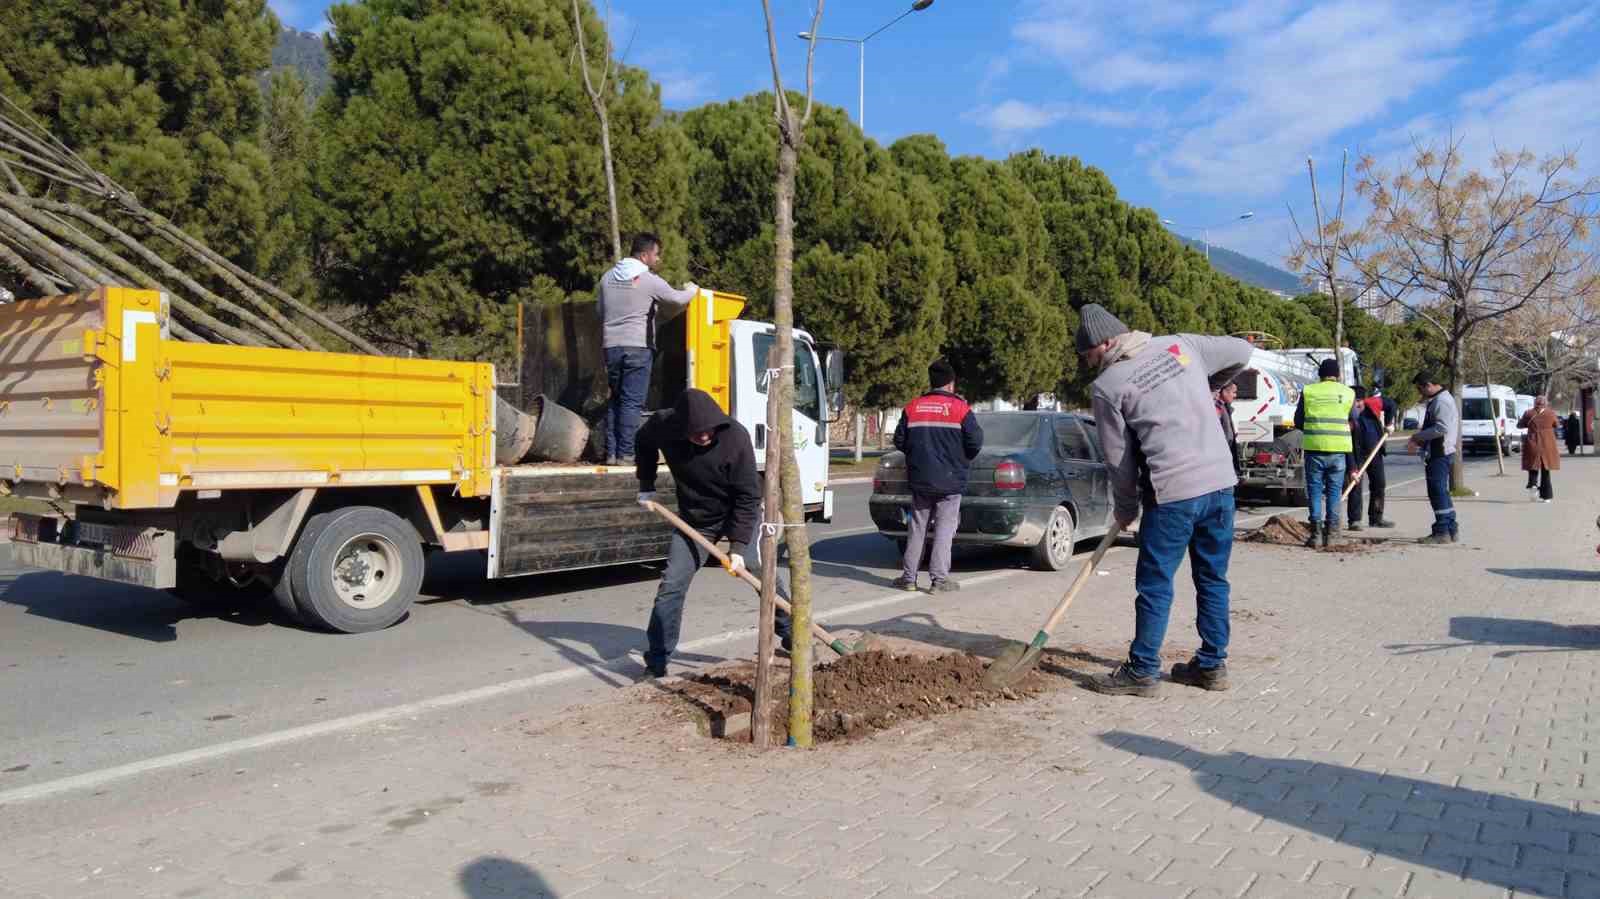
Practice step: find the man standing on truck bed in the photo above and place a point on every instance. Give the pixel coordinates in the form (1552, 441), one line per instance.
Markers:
(940, 437)
(1163, 449)
(628, 295)
(1323, 418)
(713, 467)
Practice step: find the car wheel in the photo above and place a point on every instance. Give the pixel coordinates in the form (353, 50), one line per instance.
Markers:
(1053, 552)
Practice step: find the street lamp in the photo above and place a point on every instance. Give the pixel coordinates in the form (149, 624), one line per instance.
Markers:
(861, 45)
(1205, 230)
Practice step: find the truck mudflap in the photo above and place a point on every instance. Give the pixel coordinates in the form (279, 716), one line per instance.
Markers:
(144, 557)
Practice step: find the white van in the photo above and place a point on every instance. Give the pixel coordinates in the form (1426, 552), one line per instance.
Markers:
(1482, 407)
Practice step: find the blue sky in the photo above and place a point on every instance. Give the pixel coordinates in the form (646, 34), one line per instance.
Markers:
(1200, 110)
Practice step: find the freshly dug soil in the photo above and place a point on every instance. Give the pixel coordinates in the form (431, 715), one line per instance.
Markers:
(871, 691)
(1287, 530)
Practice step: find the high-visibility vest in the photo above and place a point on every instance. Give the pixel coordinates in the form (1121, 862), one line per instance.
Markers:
(1327, 426)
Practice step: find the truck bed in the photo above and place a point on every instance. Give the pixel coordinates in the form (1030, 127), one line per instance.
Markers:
(548, 518)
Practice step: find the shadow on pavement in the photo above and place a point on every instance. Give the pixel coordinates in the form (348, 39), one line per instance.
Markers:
(1460, 832)
(116, 608)
(491, 876)
(1539, 636)
(1547, 574)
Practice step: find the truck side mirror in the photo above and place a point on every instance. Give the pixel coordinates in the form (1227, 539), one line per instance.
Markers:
(833, 377)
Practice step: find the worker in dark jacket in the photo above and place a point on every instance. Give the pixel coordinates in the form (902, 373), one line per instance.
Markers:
(1223, 399)
(1373, 416)
(713, 468)
(940, 437)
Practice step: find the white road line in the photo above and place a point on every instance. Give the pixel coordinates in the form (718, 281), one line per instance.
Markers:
(93, 779)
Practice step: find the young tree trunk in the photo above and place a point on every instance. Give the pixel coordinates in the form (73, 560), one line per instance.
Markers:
(800, 686)
(771, 501)
(611, 177)
(1499, 456)
(1458, 474)
(597, 99)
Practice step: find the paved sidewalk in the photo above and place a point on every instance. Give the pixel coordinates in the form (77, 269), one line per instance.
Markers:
(1415, 721)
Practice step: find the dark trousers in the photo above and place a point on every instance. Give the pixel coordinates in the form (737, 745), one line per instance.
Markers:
(1444, 508)
(1375, 481)
(628, 372)
(1541, 479)
(684, 561)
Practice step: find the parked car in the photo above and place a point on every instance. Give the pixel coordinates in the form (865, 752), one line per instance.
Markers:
(1040, 484)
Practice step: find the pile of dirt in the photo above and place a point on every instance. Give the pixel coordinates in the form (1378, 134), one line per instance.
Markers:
(1287, 530)
(872, 691)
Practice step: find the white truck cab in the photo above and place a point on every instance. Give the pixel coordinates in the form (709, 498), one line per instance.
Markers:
(753, 345)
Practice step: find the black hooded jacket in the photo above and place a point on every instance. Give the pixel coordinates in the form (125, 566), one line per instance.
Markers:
(718, 489)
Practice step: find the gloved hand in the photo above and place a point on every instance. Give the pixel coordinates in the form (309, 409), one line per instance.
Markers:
(736, 564)
(647, 496)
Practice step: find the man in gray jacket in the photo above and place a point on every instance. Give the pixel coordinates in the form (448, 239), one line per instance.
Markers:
(1438, 439)
(629, 295)
(1158, 428)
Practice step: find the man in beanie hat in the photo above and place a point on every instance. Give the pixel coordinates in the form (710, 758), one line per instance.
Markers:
(1158, 429)
(940, 437)
(1324, 419)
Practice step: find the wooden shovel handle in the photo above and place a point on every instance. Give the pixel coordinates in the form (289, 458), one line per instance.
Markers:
(716, 553)
(1363, 469)
(1082, 578)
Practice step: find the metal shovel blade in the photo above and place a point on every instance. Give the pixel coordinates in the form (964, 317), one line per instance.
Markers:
(1016, 660)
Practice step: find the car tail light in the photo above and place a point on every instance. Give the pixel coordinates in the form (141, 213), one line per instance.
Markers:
(1010, 476)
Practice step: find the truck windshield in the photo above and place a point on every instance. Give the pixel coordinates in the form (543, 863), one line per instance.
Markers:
(807, 385)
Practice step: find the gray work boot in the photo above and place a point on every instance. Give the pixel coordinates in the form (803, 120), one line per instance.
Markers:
(1330, 533)
(945, 585)
(1123, 682)
(1353, 526)
(908, 584)
(1191, 674)
(1316, 534)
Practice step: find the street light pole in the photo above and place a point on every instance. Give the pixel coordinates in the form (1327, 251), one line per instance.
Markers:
(1205, 230)
(861, 50)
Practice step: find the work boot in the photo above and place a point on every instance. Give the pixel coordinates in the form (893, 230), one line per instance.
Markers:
(908, 584)
(1437, 538)
(1353, 526)
(1315, 536)
(1380, 523)
(1330, 533)
(1192, 675)
(945, 585)
(1123, 682)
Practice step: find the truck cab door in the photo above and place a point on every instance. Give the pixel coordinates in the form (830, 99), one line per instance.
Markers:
(753, 347)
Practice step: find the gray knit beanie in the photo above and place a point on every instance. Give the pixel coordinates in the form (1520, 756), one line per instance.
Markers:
(1096, 326)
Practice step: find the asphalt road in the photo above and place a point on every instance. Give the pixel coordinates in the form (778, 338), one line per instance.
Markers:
(99, 675)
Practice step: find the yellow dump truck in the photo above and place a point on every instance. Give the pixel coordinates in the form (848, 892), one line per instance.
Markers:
(320, 479)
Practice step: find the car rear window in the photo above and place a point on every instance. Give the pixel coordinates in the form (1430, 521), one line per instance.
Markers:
(1007, 428)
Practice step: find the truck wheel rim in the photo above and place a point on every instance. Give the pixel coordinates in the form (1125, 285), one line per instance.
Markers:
(366, 571)
(1060, 537)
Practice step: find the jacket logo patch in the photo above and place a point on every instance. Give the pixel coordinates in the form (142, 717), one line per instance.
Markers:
(1177, 353)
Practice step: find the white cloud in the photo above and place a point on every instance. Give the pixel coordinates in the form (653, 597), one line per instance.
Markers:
(679, 88)
(1015, 116)
(1556, 32)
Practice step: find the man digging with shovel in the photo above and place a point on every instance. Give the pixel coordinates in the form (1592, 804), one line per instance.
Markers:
(713, 467)
(1158, 428)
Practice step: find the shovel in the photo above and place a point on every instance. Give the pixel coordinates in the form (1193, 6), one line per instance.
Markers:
(1018, 659)
(833, 642)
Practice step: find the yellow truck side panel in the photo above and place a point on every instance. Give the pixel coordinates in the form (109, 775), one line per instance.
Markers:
(185, 416)
(710, 358)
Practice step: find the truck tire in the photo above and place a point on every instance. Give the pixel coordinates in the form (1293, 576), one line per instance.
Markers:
(1053, 552)
(355, 570)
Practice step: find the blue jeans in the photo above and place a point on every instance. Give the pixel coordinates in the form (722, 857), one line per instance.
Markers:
(684, 560)
(628, 371)
(1203, 528)
(1324, 483)
(1437, 468)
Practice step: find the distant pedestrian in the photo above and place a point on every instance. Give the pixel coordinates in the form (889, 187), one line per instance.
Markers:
(629, 296)
(1224, 399)
(940, 437)
(1574, 433)
(1540, 456)
(1323, 418)
(1438, 439)
(1163, 451)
